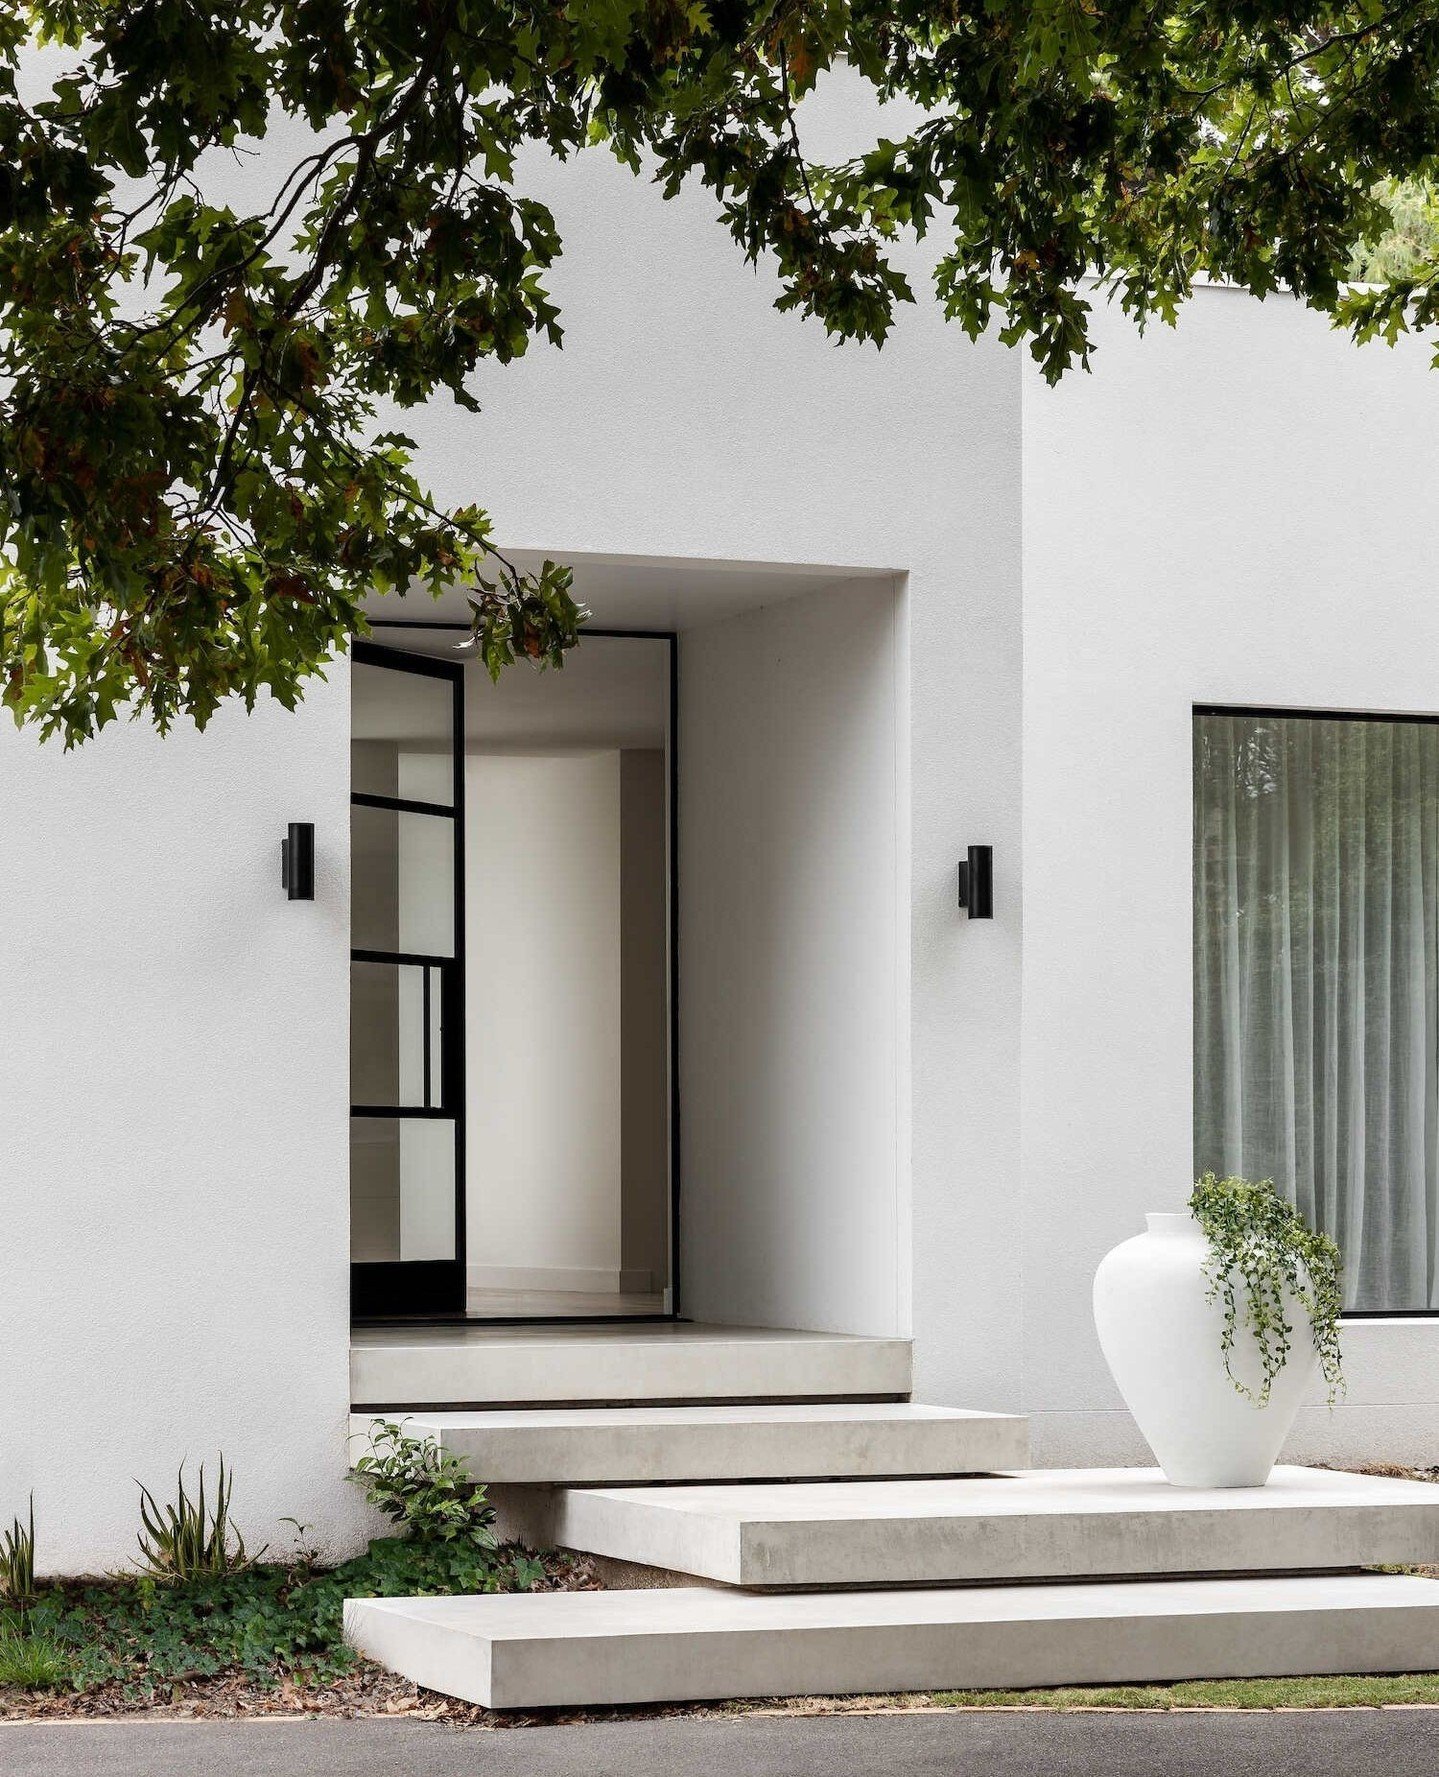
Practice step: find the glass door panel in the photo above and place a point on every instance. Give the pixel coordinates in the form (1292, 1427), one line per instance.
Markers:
(402, 1173)
(402, 897)
(406, 974)
(397, 1034)
(403, 740)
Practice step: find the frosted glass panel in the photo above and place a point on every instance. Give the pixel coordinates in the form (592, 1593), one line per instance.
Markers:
(403, 885)
(395, 1034)
(402, 735)
(402, 1189)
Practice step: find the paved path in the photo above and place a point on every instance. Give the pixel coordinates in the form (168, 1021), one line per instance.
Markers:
(1327, 1743)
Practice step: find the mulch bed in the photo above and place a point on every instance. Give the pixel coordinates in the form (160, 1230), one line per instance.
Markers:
(365, 1694)
(367, 1690)
(371, 1692)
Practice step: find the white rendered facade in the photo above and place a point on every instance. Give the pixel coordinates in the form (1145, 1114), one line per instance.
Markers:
(922, 601)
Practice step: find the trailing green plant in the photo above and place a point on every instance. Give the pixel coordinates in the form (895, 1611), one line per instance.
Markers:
(1260, 1251)
(189, 1538)
(17, 1561)
(430, 1494)
(30, 1661)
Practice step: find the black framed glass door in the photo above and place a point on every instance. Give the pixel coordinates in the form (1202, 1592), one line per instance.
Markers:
(407, 1135)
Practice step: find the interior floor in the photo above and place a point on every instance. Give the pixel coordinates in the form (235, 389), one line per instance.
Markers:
(495, 1304)
(668, 1332)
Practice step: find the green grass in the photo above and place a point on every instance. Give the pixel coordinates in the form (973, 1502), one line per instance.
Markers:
(1215, 1693)
(32, 1662)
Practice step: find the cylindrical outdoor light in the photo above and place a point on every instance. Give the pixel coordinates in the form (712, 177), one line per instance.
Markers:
(976, 882)
(297, 861)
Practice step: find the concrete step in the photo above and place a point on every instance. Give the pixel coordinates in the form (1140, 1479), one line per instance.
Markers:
(478, 1365)
(1041, 1524)
(589, 1648)
(587, 1446)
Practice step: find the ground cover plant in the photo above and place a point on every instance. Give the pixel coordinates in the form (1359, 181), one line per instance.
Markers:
(200, 1609)
(270, 1622)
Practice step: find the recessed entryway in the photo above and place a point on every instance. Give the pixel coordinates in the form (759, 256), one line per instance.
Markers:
(772, 696)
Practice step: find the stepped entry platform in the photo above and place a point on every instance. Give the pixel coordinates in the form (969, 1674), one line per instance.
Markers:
(1032, 1525)
(882, 1545)
(538, 1456)
(590, 1648)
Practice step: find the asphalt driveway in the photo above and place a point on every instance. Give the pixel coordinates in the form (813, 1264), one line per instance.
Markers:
(953, 1743)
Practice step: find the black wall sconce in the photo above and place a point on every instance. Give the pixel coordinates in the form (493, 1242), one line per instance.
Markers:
(976, 882)
(297, 861)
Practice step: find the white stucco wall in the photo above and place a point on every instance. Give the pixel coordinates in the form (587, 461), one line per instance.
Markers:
(1236, 512)
(174, 1082)
(175, 1044)
(793, 922)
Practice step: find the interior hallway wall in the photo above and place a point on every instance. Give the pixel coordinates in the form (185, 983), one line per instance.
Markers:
(542, 1016)
(425, 924)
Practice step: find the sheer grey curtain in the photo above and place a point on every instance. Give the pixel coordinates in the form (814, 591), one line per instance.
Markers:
(1316, 981)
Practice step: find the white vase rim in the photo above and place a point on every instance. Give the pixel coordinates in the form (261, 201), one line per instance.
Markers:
(1171, 1221)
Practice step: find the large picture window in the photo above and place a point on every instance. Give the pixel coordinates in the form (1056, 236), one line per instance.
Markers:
(1316, 980)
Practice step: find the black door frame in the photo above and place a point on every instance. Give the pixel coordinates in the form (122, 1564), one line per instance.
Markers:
(413, 1288)
(373, 651)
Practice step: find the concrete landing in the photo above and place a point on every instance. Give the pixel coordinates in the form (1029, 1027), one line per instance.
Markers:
(1040, 1524)
(587, 1446)
(590, 1648)
(478, 1366)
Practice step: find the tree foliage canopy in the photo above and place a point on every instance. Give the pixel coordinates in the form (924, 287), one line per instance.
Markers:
(198, 493)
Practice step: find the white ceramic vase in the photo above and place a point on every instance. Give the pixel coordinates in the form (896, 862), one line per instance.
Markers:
(1161, 1340)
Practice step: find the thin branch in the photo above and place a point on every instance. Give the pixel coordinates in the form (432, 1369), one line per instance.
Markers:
(1316, 48)
(361, 460)
(368, 149)
(794, 130)
(224, 277)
